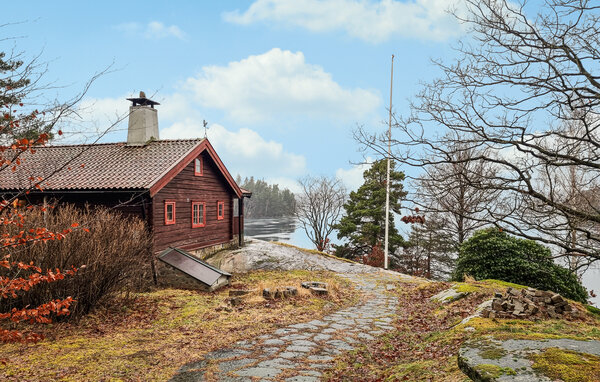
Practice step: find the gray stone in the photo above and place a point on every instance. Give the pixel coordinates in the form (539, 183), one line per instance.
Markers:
(319, 358)
(319, 291)
(289, 354)
(285, 331)
(302, 349)
(317, 323)
(262, 372)
(313, 284)
(339, 344)
(302, 378)
(448, 295)
(304, 326)
(338, 326)
(226, 353)
(270, 350)
(294, 337)
(277, 363)
(227, 366)
(273, 341)
(365, 336)
(303, 343)
(321, 337)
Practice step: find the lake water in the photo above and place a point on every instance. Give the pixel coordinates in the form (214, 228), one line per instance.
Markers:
(288, 230)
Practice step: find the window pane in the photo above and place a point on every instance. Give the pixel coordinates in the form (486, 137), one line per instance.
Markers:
(198, 166)
(236, 207)
(169, 212)
(197, 214)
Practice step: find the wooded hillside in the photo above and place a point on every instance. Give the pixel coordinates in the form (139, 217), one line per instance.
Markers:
(268, 200)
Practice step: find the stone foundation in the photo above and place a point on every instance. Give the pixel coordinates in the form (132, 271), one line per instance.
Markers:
(168, 276)
(203, 253)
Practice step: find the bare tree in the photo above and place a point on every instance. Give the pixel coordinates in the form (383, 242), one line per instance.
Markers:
(521, 79)
(319, 206)
(446, 189)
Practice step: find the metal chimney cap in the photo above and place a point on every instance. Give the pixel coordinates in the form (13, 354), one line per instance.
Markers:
(143, 101)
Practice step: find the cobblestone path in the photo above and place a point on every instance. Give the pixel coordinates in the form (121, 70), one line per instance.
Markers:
(301, 352)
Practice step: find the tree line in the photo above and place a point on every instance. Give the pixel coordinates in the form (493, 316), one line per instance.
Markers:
(268, 200)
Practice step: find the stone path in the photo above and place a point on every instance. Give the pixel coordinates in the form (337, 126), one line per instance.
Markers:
(301, 352)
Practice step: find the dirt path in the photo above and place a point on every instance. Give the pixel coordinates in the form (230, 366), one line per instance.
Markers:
(301, 352)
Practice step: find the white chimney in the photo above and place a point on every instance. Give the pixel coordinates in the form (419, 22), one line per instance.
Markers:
(143, 121)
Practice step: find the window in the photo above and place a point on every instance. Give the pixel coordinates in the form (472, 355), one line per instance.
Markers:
(169, 212)
(198, 167)
(220, 210)
(198, 214)
(236, 207)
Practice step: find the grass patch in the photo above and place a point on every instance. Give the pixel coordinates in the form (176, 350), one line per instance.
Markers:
(466, 287)
(567, 365)
(593, 310)
(493, 371)
(503, 284)
(159, 331)
(496, 353)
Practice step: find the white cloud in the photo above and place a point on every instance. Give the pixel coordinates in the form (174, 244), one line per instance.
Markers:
(154, 30)
(278, 82)
(367, 20)
(353, 177)
(290, 184)
(244, 151)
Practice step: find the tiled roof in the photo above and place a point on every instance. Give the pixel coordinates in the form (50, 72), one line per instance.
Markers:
(98, 166)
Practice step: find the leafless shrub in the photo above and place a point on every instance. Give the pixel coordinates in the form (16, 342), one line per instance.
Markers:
(115, 252)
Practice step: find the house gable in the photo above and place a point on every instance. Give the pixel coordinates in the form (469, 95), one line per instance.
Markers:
(177, 167)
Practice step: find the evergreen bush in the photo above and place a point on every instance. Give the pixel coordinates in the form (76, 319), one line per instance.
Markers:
(493, 254)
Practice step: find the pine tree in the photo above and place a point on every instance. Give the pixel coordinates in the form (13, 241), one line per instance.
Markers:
(430, 250)
(364, 221)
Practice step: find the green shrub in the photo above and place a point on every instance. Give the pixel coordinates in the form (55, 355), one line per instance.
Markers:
(492, 254)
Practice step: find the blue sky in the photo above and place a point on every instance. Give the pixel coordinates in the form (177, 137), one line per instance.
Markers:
(282, 84)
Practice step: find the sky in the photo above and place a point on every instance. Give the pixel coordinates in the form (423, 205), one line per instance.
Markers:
(282, 84)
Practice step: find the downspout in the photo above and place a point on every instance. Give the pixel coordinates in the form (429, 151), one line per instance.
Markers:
(150, 228)
(240, 221)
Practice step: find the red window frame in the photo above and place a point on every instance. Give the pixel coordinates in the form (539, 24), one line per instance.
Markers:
(220, 210)
(203, 224)
(167, 220)
(198, 164)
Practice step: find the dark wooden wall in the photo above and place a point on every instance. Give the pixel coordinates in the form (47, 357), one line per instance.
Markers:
(185, 188)
(131, 203)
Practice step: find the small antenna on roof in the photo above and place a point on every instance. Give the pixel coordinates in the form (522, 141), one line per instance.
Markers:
(205, 124)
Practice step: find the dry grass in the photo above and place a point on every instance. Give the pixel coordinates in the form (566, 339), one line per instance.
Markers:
(160, 331)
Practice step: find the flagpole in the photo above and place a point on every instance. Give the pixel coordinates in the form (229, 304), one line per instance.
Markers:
(387, 183)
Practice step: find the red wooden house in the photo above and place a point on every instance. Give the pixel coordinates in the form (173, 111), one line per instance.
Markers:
(181, 188)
